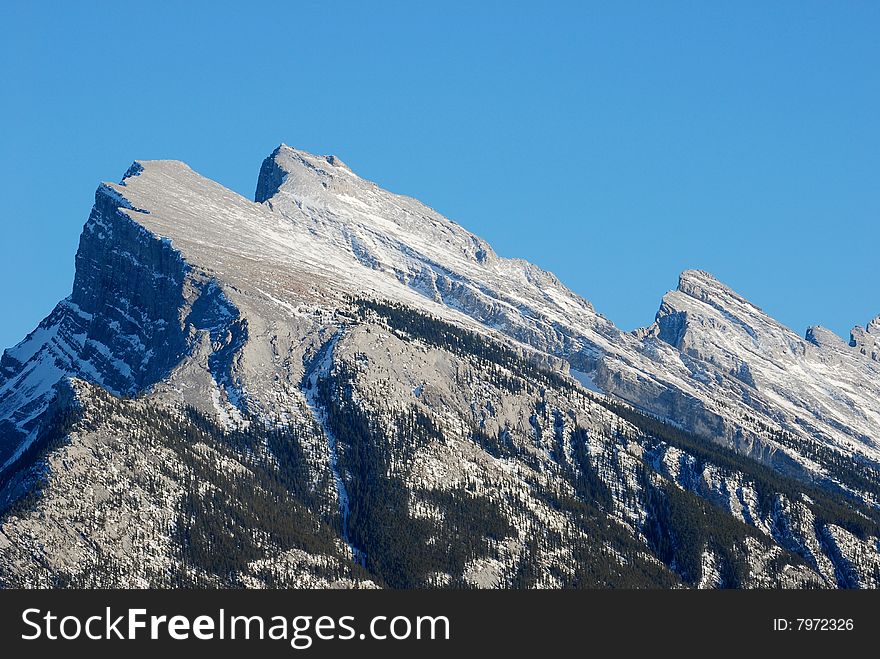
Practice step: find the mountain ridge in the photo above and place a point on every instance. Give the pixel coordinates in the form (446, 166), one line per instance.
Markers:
(331, 304)
(303, 186)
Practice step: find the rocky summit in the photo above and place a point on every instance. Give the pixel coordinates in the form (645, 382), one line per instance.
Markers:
(335, 386)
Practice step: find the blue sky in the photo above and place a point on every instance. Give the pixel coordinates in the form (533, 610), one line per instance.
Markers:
(614, 143)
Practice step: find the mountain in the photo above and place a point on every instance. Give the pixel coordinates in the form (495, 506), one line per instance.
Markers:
(334, 385)
(807, 392)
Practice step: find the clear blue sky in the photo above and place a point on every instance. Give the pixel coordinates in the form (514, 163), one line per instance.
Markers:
(614, 143)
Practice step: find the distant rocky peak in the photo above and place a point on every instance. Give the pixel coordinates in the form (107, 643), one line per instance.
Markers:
(704, 287)
(867, 339)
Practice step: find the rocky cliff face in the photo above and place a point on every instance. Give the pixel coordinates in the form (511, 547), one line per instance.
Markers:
(867, 340)
(318, 387)
(136, 311)
(816, 388)
(119, 328)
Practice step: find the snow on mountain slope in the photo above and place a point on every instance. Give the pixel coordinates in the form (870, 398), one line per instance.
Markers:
(396, 247)
(123, 336)
(296, 327)
(398, 239)
(399, 244)
(268, 274)
(817, 386)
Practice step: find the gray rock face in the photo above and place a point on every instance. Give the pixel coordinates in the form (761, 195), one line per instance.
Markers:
(135, 339)
(814, 387)
(119, 328)
(134, 313)
(867, 340)
(379, 335)
(271, 177)
(709, 380)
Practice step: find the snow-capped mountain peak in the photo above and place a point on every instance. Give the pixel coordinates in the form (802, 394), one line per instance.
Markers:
(334, 348)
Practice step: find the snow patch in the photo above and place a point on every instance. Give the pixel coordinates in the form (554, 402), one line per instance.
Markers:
(319, 371)
(586, 380)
